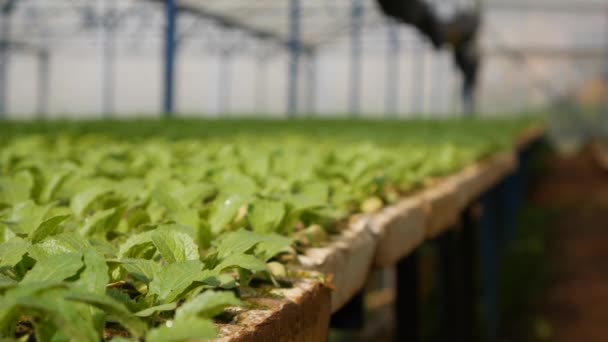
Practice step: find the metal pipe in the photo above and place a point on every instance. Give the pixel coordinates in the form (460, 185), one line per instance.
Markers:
(108, 56)
(295, 48)
(419, 79)
(312, 83)
(225, 82)
(392, 70)
(42, 101)
(357, 13)
(170, 55)
(5, 36)
(261, 82)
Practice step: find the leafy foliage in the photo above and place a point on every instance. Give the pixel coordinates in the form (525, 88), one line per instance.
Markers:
(148, 227)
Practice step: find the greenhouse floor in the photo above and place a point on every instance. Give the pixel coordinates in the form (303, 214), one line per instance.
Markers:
(575, 306)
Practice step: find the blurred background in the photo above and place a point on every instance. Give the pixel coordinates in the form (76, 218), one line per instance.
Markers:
(110, 58)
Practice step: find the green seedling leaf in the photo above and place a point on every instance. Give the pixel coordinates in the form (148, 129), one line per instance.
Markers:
(6, 282)
(12, 251)
(54, 269)
(209, 304)
(16, 189)
(175, 278)
(83, 200)
(219, 281)
(244, 261)
(192, 328)
(135, 326)
(51, 187)
(141, 269)
(234, 183)
(96, 222)
(310, 195)
(272, 245)
(237, 242)
(194, 193)
(136, 246)
(156, 309)
(63, 243)
(65, 316)
(174, 245)
(94, 277)
(224, 212)
(26, 217)
(50, 227)
(265, 216)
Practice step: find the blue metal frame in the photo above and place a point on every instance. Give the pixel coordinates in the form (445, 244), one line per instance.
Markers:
(392, 70)
(108, 25)
(170, 56)
(5, 36)
(311, 100)
(42, 100)
(357, 14)
(261, 84)
(295, 49)
(490, 255)
(225, 82)
(468, 251)
(352, 315)
(407, 303)
(419, 78)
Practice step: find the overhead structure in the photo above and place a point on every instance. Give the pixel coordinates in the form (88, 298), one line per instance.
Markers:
(299, 26)
(293, 42)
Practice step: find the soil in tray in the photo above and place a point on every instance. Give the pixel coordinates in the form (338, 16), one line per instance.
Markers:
(575, 306)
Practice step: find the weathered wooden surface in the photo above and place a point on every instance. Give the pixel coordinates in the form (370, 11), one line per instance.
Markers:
(380, 240)
(478, 178)
(441, 205)
(347, 259)
(403, 227)
(299, 314)
(399, 229)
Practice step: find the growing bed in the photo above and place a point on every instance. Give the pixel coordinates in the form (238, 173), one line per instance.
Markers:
(185, 229)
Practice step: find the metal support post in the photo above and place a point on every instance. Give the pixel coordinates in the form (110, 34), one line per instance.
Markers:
(312, 83)
(295, 50)
(42, 100)
(356, 29)
(515, 193)
(170, 56)
(491, 228)
(511, 205)
(418, 80)
(439, 81)
(261, 83)
(5, 37)
(352, 315)
(469, 251)
(392, 70)
(225, 82)
(108, 56)
(407, 319)
(452, 287)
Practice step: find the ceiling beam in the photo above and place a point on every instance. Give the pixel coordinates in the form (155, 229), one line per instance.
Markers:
(232, 23)
(558, 6)
(547, 52)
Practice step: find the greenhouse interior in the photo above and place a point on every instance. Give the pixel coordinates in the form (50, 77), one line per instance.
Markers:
(303, 170)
